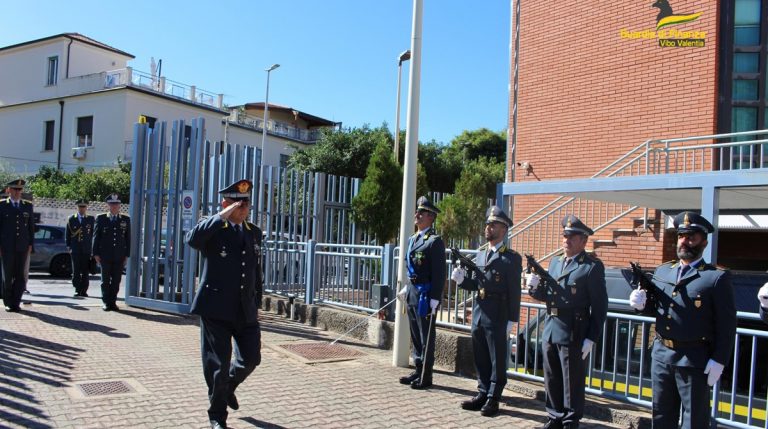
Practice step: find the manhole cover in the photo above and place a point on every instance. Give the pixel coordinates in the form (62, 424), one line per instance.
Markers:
(319, 352)
(105, 388)
(98, 389)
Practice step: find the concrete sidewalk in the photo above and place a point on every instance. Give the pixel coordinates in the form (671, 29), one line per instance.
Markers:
(58, 343)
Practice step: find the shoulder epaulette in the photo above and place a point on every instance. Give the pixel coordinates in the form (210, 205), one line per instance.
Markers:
(592, 256)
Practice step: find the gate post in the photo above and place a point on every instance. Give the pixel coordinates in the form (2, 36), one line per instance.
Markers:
(309, 280)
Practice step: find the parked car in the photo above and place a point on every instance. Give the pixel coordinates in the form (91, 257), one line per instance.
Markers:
(51, 253)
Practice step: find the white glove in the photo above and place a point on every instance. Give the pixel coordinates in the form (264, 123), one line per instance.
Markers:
(510, 324)
(532, 280)
(458, 275)
(403, 294)
(637, 299)
(433, 304)
(762, 295)
(586, 347)
(715, 370)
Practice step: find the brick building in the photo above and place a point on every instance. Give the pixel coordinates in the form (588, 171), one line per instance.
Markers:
(596, 86)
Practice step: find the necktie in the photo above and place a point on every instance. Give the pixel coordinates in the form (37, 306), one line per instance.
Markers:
(237, 229)
(565, 264)
(683, 271)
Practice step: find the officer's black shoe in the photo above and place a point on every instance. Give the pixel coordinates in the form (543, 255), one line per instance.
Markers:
(232, 401)
(553, 424)
(84, 294)
(218, 425)
(421, 384)
(105, 307)
(476, 403)
(114, 307)
(491, 408)
(11, 309)
(572, 425)
(76, 295)
(410, 378)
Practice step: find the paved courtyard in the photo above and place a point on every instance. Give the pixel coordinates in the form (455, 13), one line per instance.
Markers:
(143, 370)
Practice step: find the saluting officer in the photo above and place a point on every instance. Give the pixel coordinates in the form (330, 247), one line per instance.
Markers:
(426, 271)
(495, 309)
(111, 249)
(576, 310)
(695, 327)
(79, 239)
(17, 233)
(228, 298)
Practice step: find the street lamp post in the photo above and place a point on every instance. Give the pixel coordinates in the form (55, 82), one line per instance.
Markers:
(266, 113)
(405, 56)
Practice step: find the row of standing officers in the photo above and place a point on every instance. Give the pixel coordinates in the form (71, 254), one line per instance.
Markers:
(693, 304)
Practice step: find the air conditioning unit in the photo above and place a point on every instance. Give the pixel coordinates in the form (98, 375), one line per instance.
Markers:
(78, 152)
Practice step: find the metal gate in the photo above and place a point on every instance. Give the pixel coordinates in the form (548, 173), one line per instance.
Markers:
(175, 182)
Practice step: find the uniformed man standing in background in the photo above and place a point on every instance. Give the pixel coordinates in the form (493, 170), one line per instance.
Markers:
(695, 328)
(495, 309)
(228, 298)
(17, 233)
(79, 239)
(111, 249)
(426, 271)
(576, 310)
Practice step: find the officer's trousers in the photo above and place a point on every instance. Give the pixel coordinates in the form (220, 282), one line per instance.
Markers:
(222, 374)
(674, 386)
(111, 272)
(14, 277)
(81, 266)
(564, 381)
(489, 346)
(423, 354)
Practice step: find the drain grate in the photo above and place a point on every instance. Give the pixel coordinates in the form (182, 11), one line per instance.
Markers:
(105, 388)
(320, 352)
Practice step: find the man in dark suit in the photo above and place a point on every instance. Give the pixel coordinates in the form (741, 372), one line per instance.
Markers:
(695, 327)
(79, 239)
(228, 298)
(111, 249)
(426, 270)
(576, 310)
(17, 233)
(762, 296)
(495, 309)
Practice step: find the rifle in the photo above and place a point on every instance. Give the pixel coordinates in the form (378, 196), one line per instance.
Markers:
(546, 279)
(639, 278)
(465, 263)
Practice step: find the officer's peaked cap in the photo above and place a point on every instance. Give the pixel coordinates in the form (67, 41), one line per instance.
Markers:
(423, 203)
(573, 225)
(496, 214)
(687, 222)
(240, 190)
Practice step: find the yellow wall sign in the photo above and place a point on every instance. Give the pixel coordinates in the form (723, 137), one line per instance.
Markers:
(669, 37)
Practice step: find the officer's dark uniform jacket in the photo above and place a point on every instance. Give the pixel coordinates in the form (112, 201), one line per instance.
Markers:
(498, 291)
(112, 240)
(764, 314)
(697, 314)
(231, 277)
(427, 257)
(17, 228)
(79, 235)
(577, 308)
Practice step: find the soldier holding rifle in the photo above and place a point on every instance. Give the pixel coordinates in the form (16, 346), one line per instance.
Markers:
(577, 304)
(695, 327)
(495, 309)
(425, 260)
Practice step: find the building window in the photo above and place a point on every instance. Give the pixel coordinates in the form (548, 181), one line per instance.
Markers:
(53, 71)
(149, 120)
(284, 160)
(48, 139)
(85, 131)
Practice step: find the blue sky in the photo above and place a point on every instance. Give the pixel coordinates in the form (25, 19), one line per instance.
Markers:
(338, 57)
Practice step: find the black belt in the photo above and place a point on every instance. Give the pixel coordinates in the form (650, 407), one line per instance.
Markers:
(673, 344)
(562, 312)
(484, 294)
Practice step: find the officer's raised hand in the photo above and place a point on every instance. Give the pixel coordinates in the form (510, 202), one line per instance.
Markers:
(229, 208)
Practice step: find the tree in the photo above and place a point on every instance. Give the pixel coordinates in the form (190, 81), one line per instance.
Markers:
(81, 184)
(463, 212)
(481, 143)
(376, 208)
(342, 152)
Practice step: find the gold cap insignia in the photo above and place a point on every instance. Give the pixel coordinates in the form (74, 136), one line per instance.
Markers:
(242, 187)
(686, 221)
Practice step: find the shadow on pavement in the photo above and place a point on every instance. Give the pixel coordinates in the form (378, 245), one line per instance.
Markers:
(26, 359)
(78, 325)
(172, 319)
(261, 424)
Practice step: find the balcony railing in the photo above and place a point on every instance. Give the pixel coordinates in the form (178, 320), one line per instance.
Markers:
(162, 85)
(278, 128)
